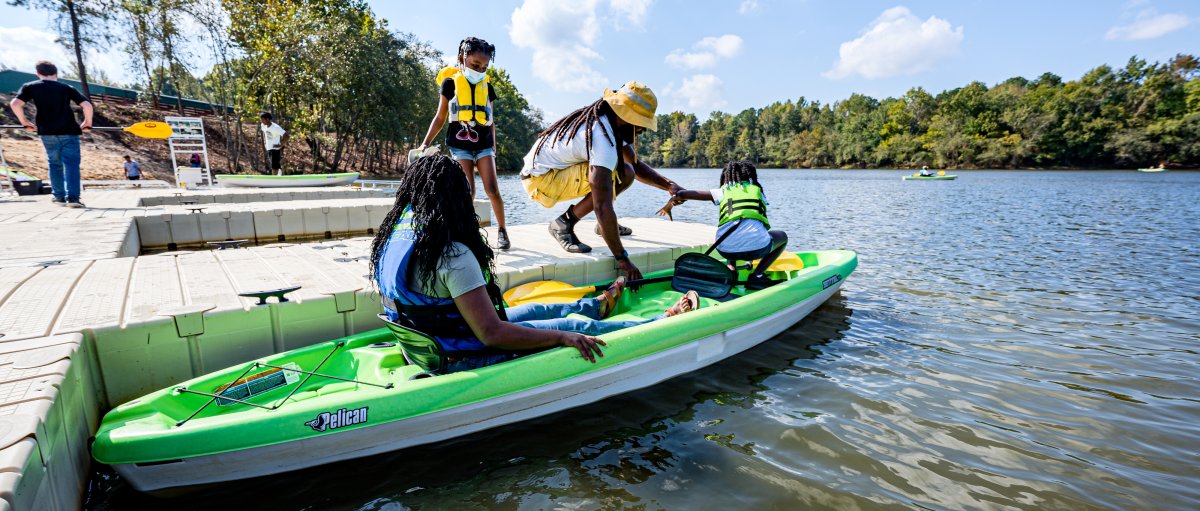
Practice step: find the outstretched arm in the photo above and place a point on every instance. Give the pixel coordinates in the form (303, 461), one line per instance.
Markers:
(682, 196)
(648, 175)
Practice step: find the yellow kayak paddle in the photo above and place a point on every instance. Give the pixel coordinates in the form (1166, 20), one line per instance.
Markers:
(553, 291)
(141, 129)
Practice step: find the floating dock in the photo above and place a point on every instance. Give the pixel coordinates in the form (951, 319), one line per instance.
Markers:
(87, 321)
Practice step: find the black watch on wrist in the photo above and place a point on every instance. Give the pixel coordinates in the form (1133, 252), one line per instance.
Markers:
(624, 256)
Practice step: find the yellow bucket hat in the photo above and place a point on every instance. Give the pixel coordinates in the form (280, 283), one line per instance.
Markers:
(635, 103)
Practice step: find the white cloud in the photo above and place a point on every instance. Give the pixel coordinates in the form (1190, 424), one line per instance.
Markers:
(1148, 25)
(22, 47)
(634, 11)
(896, 43)
(563, 34)
(749, 6)
(698, 92)
(709, 51)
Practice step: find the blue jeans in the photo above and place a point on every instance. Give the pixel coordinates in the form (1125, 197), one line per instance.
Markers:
(62, 151)
(463, 154)
(550, 316)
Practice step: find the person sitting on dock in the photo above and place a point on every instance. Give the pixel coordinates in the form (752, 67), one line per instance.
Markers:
(743, 232)
(590, 154)
(433, 268)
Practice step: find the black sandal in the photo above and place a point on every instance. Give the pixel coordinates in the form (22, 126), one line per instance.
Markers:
(621, 230)
(502, 242)
(564, 233)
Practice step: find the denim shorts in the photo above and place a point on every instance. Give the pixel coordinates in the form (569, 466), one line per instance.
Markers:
(463, 154)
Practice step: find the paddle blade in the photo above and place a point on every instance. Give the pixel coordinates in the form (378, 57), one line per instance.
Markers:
(941, 172)
(545, 291)
(150, 130)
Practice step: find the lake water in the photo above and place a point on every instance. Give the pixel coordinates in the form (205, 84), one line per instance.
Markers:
(1009, 340)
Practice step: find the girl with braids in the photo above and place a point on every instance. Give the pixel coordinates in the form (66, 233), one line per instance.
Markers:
(467, 97)
(433, 269)
(743, 232)
(589, 155)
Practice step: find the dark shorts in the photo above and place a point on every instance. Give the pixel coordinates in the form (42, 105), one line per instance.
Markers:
(133, 178)
(275, 157)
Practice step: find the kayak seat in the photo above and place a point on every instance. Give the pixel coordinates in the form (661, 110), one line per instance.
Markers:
(703, 273)
(419, 348)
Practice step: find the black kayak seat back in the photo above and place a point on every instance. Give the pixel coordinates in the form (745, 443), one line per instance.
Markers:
(708, 276)
(419, 349)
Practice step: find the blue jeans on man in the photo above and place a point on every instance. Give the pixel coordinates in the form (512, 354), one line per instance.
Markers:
(62, 152)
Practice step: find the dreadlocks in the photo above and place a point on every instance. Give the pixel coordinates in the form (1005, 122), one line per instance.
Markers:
(738, 171)
(435, 188)
(474, 44)
(585, 118)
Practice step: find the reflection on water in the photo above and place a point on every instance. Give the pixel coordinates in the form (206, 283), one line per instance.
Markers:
(1010, 340)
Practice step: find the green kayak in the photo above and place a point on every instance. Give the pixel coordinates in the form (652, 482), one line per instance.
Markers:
(358, 396)
(267, 181)
(916, 177)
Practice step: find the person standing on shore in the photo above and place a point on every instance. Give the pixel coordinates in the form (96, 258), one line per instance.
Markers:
(133, 171)
(467, 97)
(56, 125)
(274, 136)
(589, 155)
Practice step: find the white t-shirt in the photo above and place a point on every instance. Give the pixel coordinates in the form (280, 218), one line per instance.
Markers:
(272, 136)
(749, 235)
(573, 151)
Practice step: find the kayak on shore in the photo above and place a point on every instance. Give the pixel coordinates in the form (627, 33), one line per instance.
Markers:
(364, 394)
(297, 180)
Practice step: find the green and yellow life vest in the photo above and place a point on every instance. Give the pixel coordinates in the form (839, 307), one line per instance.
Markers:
(742, 201)
(470, 102)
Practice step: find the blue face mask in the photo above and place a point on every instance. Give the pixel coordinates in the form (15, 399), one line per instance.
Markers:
(473, 76)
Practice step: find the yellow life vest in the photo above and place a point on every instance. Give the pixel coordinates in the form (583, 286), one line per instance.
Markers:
(470, 102)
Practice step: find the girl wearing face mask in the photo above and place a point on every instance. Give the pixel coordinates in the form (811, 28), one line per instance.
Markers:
(466, 101)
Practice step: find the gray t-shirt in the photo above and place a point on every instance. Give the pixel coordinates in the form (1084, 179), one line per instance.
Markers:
(458, 273)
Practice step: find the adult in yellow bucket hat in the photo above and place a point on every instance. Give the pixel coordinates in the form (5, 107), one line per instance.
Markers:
(590, 155)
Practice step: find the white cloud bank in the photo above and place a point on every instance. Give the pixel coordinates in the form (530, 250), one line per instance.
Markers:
(1148, 25)
(698, 92)
(897, 43)
(706, 52)
(563, 35)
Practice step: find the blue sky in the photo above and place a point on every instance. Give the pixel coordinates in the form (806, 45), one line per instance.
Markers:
(729, 55)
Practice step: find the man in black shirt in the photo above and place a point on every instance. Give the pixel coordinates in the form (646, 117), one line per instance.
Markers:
(57, 127)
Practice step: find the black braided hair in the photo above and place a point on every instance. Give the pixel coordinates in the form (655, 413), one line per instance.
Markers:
(738, 171)
(436, 190)
(474, 44)
(585, 117)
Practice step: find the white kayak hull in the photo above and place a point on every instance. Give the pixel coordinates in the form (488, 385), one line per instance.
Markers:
(297, 181)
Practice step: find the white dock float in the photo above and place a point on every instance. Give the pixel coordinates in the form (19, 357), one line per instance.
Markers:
(86, 323)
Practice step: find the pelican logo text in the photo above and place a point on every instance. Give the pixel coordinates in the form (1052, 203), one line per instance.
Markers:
(341, 418)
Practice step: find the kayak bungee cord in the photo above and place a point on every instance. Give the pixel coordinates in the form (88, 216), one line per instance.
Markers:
(255, 365)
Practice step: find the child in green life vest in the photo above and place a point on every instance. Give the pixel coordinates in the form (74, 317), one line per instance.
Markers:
(743, 232)
(465, 102)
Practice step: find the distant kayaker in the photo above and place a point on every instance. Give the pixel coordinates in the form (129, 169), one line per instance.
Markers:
(590, 154)
(925, 172)
(467, 96)
(433, 268)
(743, 232)
(274, 136)
(133, 171)
(57, 128)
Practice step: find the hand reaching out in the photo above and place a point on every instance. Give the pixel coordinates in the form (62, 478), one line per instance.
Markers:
(666, 210)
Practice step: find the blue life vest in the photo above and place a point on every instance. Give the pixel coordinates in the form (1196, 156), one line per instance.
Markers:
(434, 316)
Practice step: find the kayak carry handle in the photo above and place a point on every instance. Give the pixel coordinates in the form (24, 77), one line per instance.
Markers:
(263, 295)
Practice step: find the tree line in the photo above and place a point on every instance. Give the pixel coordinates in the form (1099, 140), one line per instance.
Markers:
(354, 94)
(1142, 114)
